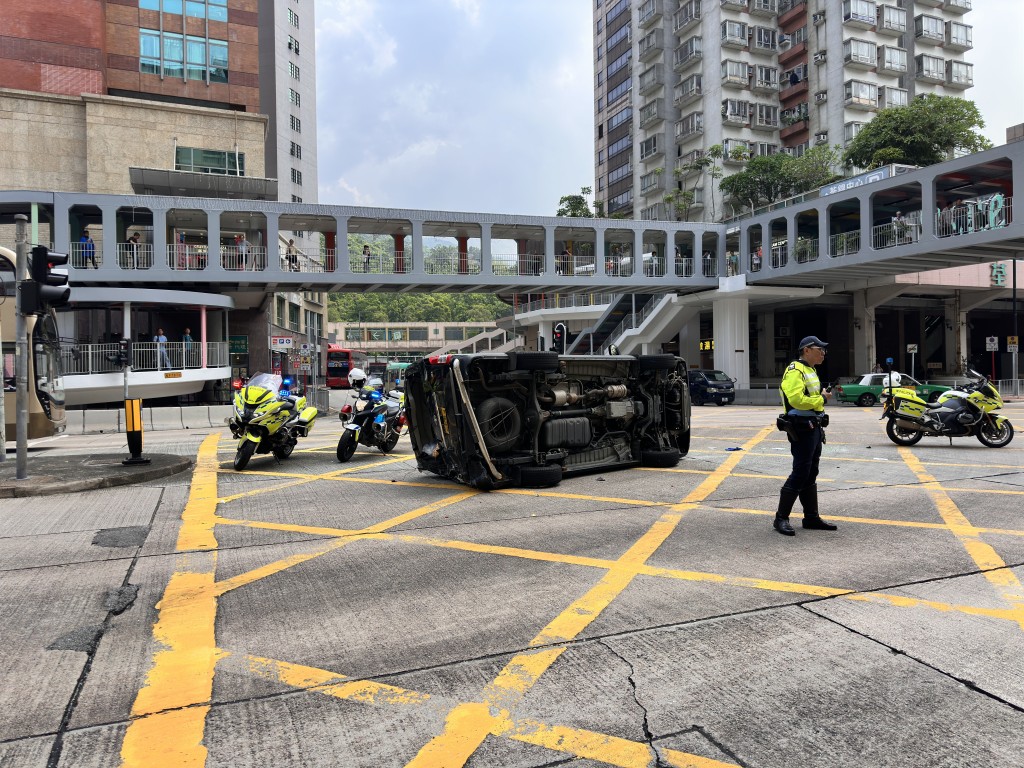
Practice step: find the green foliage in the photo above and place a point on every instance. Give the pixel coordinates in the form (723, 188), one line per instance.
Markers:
(575, 205)
(415, 308)
(766, 180)
(925, 132)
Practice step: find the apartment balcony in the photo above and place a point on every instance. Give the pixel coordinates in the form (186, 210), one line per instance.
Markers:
(932, 3)
(961, 76)
(863, 103)
(652, 183)
(957, 6)
(731, 118)
(687, 93)
(651, 45)
(685, 19)
(766, 8)
(890, 96)
(764, 123)
(891, 64)
(650, 12)
(686, 56)
(731, 40)
(735, 5)
(791, 130)
(958, 37)
(859, 61)
(792, 54)
(857, 20)
(788, 92)
(736, 82)
(652, 79)
(764, 48)
(929, 30)
(891, 20)
(652, 114)
(688, 130)
(931, 75)
(764, 86)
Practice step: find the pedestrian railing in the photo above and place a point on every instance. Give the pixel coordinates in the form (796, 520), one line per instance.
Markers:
(84, 359)
(135, 255)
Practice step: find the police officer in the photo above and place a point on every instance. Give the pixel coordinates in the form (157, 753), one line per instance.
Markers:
(804, 401)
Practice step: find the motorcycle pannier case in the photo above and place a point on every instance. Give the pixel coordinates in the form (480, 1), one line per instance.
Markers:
(304, 424)
(907, 407)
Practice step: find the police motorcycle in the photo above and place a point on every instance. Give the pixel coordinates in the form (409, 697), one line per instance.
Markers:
(965, 411)
(374, 419)
(268, 418)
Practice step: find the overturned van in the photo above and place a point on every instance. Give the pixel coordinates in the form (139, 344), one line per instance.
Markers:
(532, 418)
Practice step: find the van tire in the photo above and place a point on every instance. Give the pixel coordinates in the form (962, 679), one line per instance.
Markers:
(547, 476)
(657, 362)
(660, 459)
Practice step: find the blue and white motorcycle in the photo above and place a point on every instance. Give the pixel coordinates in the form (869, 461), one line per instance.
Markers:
(374, 419)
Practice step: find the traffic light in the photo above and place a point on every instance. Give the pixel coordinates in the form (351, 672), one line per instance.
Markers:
(52, 288)
(558, 341)
(123, 356)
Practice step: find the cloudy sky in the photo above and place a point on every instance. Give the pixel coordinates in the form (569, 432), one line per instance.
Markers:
(487, 105)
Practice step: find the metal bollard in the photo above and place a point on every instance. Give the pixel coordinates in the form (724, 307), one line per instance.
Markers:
(133, 427)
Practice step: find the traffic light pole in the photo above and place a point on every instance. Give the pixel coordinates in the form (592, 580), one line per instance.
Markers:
(21, 350)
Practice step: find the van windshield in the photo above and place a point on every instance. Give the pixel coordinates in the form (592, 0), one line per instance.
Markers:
(716, 376)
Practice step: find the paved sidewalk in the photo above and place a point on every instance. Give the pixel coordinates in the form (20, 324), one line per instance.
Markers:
(69, 473)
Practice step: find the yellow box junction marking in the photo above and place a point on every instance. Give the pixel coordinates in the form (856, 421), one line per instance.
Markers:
(168, 717)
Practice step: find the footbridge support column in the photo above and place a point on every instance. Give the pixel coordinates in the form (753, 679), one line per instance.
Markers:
(865, 348)
(731, 319)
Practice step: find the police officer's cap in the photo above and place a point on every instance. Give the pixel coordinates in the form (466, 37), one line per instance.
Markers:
(811, 341)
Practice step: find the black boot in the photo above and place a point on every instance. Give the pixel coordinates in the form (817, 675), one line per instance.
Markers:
(786, 500)
(812, 520)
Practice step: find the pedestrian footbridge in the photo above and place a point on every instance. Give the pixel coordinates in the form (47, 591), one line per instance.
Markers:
(878, 224)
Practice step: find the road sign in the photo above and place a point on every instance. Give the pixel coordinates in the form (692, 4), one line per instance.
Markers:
(281, 342)
(1011, 343)
(911, 349)
(991, 343)
(305, 348)
(305, 367)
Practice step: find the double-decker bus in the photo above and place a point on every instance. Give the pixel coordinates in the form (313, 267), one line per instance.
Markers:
(341, 360)
(45, 381)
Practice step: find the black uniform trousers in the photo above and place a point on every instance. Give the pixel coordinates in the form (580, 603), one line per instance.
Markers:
(806, 449)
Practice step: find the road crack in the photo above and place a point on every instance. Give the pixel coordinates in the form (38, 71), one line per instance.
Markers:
(645, 723)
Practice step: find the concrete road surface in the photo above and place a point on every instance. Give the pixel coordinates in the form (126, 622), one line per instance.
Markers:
(311, 613)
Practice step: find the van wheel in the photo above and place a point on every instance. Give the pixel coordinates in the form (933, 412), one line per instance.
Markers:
(547, 476)
(934, 397)
(683, 442)
(660, 459)
(500, 423)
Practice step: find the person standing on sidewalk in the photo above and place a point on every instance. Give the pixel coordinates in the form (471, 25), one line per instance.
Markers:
(804, 401)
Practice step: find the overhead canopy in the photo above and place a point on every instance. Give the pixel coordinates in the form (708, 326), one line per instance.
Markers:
(162, 181)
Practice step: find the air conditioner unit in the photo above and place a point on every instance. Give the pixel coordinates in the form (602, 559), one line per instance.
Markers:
(820, 96)
(750, 71)
(819, 57)
(818, 18)
(785, 43)
(788, 151)
(821, 138)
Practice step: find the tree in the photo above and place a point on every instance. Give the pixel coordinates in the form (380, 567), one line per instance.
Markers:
(766, 179)
(575, 206)
(925, 132)
(816, 167)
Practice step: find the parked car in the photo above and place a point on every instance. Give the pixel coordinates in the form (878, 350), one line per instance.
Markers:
(710, 386)
(867, 389)
(532, 418)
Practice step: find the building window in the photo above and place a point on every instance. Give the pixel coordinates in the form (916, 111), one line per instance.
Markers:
(149, 51)
(296, 150)
(930, 67)
(296, 176)
(293, 44)
(618, 91)
(296, 199)
(649, 147)
(353, 334)
(196, 160)
(620, 173)
(861, 93)
(619, 63)
(620, 117)
(619, 146)
(735, 72)
(296, 124)
(619, 202)
(850, 131)
(293, 316)
(860, 51)
(195, 55)
(294, 97)
(293, 18)
(174, 55)
(622, 33)
(293, 70)
(218, 61)
(859, 10)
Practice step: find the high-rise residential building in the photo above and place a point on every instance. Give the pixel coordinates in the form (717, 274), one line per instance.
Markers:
(287, 59)
(675, 77)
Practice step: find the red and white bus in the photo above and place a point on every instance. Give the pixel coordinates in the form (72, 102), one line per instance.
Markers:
(341, 360)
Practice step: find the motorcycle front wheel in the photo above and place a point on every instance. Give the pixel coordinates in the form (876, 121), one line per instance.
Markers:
(995, 436)
(244, 453)
(388, 445)
(902, 436)
(346, 446)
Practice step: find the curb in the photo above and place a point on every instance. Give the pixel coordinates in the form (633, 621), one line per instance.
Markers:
(48, 475)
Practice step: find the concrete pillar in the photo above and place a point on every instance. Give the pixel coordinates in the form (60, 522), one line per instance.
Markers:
(214, 264)
(928, 209)
(638, 252)
(485, 249)
(866, 241)
(766, 344)
(549, 250)
(865, 354)
(202, 337)
(417, 247)
(599, 255)
(731, 318)
(109, 244)
(273, 243)
(160, 239)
